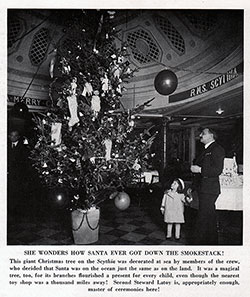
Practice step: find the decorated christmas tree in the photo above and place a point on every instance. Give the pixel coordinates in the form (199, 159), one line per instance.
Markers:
(87, 143)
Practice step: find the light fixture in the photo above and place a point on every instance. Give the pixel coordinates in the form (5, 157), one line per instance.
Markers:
(219, 111)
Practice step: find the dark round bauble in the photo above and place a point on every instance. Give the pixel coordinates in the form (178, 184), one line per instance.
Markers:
(59, 198)
(122, 201)
(165, 82)
(20, 109)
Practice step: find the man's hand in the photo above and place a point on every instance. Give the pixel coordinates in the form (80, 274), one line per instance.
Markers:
(189, 196)
(195, 169)
(189, 199)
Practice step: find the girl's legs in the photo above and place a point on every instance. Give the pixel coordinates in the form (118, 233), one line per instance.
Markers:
(169, 230)
(177, 230)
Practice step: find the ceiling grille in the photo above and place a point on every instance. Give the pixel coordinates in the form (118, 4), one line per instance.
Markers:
(143, 47)
(39, 47)
(15, 29)
(202, 22)
(171, 33)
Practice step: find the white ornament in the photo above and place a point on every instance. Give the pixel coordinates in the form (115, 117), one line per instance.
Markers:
(96, 103)
(116, 70)
(52, 64)
(136, 165)
(119, 89)
(92, 160)
(120, 59)
(66, 67)
(73, 86)
(128, 71)
(131, 123)
(87, 90)
(56, 135)
(105, 83)
(72, 103)
(108, 145)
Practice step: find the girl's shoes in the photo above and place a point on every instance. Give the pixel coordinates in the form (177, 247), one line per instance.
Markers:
(177, 239)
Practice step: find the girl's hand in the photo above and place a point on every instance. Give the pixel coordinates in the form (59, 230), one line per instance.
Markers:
(162, 210)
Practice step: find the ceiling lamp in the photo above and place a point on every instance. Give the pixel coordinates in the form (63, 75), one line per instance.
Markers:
(219, 111)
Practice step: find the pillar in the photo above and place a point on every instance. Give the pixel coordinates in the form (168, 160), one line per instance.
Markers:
(192, 146)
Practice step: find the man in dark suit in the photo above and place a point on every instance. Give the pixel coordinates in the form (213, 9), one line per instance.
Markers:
(17, 165)
(207, 169)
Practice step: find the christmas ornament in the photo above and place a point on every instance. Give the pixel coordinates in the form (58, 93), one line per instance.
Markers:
(87, 90)
(59, 102)
(72, 103)
(136, 165)
(122, 201)
(119, 87)
(120, 59)
(105, 83)
(131, 123)
(128, 71)
(96, 103)
(52, 63)
(116, 70)
(59, 197)
(113, 195)
(56, 136)
(65, 66)
(108, 145)
(92, 160)
(165, 82)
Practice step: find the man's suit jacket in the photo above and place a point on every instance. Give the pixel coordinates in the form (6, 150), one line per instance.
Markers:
(211, 162)
(17, 160)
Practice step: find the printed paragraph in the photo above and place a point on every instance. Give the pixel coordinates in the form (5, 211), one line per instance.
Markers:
(124, 271)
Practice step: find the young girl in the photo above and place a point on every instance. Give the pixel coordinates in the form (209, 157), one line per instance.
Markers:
(172, 207)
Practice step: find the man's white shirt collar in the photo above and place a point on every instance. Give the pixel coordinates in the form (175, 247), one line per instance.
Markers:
(208, 144)
(14, 144)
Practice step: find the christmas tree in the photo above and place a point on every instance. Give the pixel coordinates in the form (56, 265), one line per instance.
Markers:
(87, 143)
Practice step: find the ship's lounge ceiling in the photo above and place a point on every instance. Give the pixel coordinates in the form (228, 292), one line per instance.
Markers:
(204, 48)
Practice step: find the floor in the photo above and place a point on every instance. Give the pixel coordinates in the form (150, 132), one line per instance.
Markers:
(140, 224)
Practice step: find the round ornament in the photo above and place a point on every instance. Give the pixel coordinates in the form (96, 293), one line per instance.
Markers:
(122, 201)
(165, 82)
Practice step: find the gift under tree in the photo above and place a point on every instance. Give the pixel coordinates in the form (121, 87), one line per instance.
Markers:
(87, 143)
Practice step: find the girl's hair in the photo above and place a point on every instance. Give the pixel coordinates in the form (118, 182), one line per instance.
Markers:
(180, 188)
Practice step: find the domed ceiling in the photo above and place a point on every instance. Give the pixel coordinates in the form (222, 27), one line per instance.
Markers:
(204, 48)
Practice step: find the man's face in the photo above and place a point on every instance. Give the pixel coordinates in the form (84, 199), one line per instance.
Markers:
(206, 136)
(14, 136)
